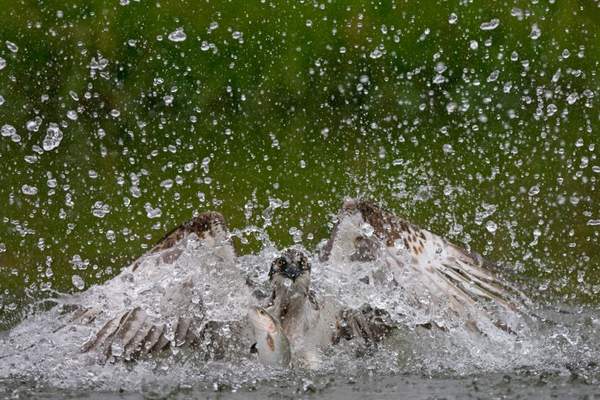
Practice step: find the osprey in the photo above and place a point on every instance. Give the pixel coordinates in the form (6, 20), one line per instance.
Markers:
(294, 321)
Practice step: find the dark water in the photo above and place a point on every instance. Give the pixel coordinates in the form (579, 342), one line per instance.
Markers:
(500, 386)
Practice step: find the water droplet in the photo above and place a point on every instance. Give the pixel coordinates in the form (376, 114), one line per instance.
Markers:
(493, 76)
(178, 35)
(451, 107)
(367, 229)
(440, 67)
(152, 212)
(574, 200)
(490, 25)
(534, 190)
(296, 234)
(487, 211)
(2, 63)
(8, 130)
(111, 236)
(34, 124)
(78, 282)
(12, 47)
(1, 100)
(447, 148)
(535, 32)
(556, 75)
(491, 226)
(473, 45)
(439, 79)
(29, 190)
(167, 184)
(31, 159)
(53, 137)
(572, 98)
(375, 54)
(517, 12)
(452, 19)
(135, 191)
(72, 115)
(100, 209)
(2, 247)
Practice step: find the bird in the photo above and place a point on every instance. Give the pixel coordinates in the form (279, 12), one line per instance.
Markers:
(312, 322)
(452, 287)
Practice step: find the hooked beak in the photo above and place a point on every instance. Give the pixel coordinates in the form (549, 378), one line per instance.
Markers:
(292, 271)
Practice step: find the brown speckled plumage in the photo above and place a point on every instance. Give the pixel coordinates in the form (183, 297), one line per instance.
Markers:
(200, 226)
(387, 227)
(132, 332)
(465, 281)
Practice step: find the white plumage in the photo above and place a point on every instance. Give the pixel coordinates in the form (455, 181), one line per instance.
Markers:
(455, 285)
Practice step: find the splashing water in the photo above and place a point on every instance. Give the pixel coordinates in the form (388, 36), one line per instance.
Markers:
(46, 347)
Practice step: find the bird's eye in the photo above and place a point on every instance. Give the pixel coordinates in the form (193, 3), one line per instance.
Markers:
(261, 312)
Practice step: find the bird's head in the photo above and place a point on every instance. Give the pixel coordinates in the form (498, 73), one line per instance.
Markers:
(292, 265)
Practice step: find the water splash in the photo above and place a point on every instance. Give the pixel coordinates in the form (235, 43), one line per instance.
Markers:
(46, 346)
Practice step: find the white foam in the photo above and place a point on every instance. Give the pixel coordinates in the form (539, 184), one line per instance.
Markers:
(47, 346)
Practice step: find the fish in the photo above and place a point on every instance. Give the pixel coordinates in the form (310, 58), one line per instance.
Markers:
(272, 345)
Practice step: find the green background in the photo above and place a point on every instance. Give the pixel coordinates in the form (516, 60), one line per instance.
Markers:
(303, 103)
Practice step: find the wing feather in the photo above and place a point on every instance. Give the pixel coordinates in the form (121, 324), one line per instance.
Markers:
(208, 226)
(133, 333)
(104, 335)
(426, 262)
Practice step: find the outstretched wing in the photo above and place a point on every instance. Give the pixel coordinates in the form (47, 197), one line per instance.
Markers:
(132, 334)
(209, 226)
(424, 264)
(137, 332)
